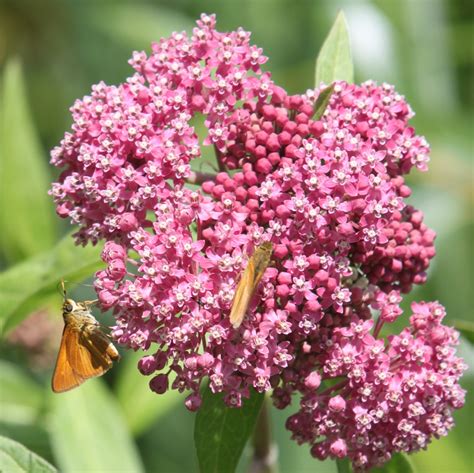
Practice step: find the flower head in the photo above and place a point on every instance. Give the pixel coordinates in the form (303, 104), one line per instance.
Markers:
(329, 194)
(379, 398)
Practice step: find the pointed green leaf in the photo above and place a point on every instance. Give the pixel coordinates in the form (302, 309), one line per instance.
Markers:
(399, 463)
(89, 433)
(26, 285)
(334, 61)
(322, 102)
(132, 389)
(221, 432)
(15, 458)
(466, 327)
(27, 216)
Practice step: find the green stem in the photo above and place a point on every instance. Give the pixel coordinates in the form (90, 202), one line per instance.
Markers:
(265, 452)
(220, 163)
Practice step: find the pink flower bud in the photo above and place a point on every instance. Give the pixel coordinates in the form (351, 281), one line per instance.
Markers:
(161, 360)
(113, 251)
(107, 298)
(337, 404)
(283, 211)
(191, 362)
(338, 448)
(274, 158)
(116, 269)
(263, 165)
(282, 290)
(319, 451)
(251, 178)
(147, 365)
(193, 402)
(159, 384)
(208, 186)
(206, 360)
(312, 381)
(285, 278)
(269, 112)
(284, 138)
(280, 251)
(312, 305)
(273, 143)
(218, 190)
(127, 222)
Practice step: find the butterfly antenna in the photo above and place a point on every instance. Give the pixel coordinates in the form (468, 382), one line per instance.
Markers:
(62, 288)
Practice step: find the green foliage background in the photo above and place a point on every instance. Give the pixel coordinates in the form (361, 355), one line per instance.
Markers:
(52, 51)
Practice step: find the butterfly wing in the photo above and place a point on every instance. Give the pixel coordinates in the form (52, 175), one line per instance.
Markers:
(261, 259)
(88, 357)
(64, 377)
(249, 282)
(83, 354)
(243, 295)
(102, 350)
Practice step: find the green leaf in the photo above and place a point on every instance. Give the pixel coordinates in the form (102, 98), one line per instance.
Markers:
(89, 433)
(33, 436)
(466, 327)
(26, 285)
(27, 216)
(399, 463)
(343, 466)
(132, 390)
(334, 61)
(21, 398)
(322, 102)
(15, 458)
(221, 432)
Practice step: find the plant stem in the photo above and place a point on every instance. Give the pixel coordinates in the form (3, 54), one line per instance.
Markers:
(378, 327)
(265, 452)
(220, 164)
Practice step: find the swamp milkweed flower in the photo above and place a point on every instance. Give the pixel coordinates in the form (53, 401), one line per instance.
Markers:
(330, 196)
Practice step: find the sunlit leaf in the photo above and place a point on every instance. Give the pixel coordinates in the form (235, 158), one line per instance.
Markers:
(322, 102)
(221, 432)
(24, 286)
(399, 463)
(21, 398)
(27, 215)
(132, 390)
(334, 61)
(89, 433)
(15, 458)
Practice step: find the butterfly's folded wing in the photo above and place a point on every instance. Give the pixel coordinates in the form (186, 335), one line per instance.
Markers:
(64, 377)
(102, 349)
(88, 357)
(243, 294)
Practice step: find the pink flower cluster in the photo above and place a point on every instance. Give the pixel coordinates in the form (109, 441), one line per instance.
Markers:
(377, 399)
(329, 194)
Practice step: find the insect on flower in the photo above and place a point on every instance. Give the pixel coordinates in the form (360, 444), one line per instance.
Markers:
(85, 351)
(249, 281)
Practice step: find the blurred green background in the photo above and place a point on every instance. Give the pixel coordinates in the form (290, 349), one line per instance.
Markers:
(52, 51)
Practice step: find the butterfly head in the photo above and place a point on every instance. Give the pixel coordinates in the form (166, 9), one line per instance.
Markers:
(69, 306)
